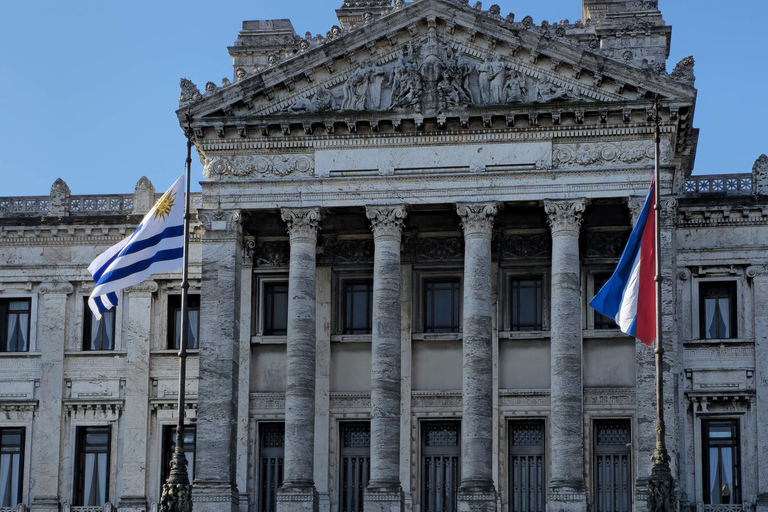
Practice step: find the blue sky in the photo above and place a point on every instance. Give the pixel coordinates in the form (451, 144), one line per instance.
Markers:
(89, 87)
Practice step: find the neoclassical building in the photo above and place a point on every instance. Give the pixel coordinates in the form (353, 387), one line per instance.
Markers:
(401, 224)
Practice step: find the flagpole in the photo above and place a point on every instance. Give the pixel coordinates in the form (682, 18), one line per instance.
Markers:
(661, 484)
(177, 489)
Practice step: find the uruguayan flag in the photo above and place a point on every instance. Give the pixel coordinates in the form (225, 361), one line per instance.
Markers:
(157, 245)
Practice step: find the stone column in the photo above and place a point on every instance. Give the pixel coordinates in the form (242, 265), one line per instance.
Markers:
(46, 443)
(566, 488)
(298, 493)
(384, 492)
(760, 286)
(215, 485)
(477, 492)
(137, 313)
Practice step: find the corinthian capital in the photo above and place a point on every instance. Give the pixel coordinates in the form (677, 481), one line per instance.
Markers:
(302, 223)
(565, 215)
(477, 218)
(386, 221)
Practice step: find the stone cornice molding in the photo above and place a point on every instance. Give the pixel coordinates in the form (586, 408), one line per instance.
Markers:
(387, 221)
(694, 216)
(143, 287)
(565, 216)
(302, 224)
(477, 218)
(55, 287)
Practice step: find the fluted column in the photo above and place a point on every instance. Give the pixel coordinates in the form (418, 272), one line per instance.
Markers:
(46, 443)
(384, 492)
(566, 488)
(298, 491)
(477, 492)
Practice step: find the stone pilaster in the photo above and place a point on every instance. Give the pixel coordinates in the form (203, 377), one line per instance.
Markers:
(566, 488)
(298, 492)
(215, 487)
(477, 492)
(137, 314)
(384, 492)
(243, 416)
(46, 444)
(760, 287)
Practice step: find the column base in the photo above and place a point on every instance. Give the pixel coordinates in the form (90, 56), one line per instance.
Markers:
(45, 504)
(297, 499)
(132, 504)
(214, 496)
(384, 499)
(567, 497)
(476, 498)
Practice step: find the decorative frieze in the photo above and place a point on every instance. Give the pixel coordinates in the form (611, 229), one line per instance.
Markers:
(433, 249)
(345, 251)
(609, 397)
(604, 244)
(258, 166)
(602, 153)
(271, 254)
(514, 246)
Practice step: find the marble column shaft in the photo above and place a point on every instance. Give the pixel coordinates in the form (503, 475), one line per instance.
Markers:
(387, 223)
(46, 448)
(300, 361)
(567, 436)
(215, 486)
(760, 284)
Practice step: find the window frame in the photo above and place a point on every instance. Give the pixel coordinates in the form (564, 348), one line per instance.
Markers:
(339, 280)
(78, 470)
(700, 307)
(172, 308)
(420, 276)
(257, 307)
(168, 440)
(592, 315)
(88, 322)
(506, 276)
(599, 450)
(19, 498)
(526, 450)
(4, 315)
(262, 453)
(735, 425)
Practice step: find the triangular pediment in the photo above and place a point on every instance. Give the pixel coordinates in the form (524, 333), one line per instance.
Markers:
(432, 58)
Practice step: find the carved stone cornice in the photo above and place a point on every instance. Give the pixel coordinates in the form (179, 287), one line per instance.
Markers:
(386, 221)
(564, 215)
(55, 287)
(477, 218)
(303, 224)
(143, 287)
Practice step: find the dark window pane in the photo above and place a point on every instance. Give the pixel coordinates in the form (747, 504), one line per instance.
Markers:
(612, 466)
(526, 466)
(14, 325)
(717, 310)
(358, 307)
(441, 305)
(92, 466)
(602, 321)
(169, 446)
(526, 304)
(722, 462)
(275, 309)
(271, 451)
(98, 334)
(11, 466)
(174, 321)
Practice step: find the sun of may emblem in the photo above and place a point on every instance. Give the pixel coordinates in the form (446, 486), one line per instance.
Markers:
(164, 205)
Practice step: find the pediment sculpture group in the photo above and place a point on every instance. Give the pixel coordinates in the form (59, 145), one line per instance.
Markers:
(433, 78)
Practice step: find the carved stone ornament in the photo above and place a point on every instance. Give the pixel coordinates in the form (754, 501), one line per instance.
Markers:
(760, 176)
(55, 287)
(421, 250)
(258, 166)
(189, 93)
(337, 251)
(303, 223)
(271, 254)
(219, 220)
(635, 205)
(565, 215)
(143, 196)
(592, 154)
(144, 286)
(683, 72)
(510, 246)
(386, 221)
(477, 219)
(604, 244)
(58, 203)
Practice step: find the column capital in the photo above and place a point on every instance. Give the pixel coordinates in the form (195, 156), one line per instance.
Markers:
(386, 221)
(303, 223)
(565, 214)
(477, 218)
(55, 287)
(221, 221)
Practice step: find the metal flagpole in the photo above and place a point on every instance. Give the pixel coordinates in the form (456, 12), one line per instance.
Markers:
(661, 483)
(177, 489)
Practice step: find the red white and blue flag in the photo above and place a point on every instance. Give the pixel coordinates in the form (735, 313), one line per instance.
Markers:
(629, 296)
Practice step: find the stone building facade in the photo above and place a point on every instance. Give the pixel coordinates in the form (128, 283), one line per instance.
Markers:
(400, 228)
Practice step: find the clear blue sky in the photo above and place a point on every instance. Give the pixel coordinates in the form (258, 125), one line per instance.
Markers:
(88, 88)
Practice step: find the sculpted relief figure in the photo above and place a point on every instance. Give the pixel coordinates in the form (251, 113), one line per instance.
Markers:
(406, 82)
(356, 89)
(515, 88)
(491, 75)
(322, 101)
(376, 80)
(451, 90)
(546, 91)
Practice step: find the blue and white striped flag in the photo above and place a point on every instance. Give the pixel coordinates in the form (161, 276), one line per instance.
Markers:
(157, 245)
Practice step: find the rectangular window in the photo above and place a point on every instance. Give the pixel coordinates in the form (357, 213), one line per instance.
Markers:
(717, 310)
(91, 487)
(98, 334)
(602, 321)
(613, 466)
(440, 465)
(721, 462)
(442, 299)
(174, 321)
(527, 471)
(358, 307)
(14, 325)
(525, 300)
(355, 467)
(275, 310)
(169, 446)
(271, 451)
(11, 466)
